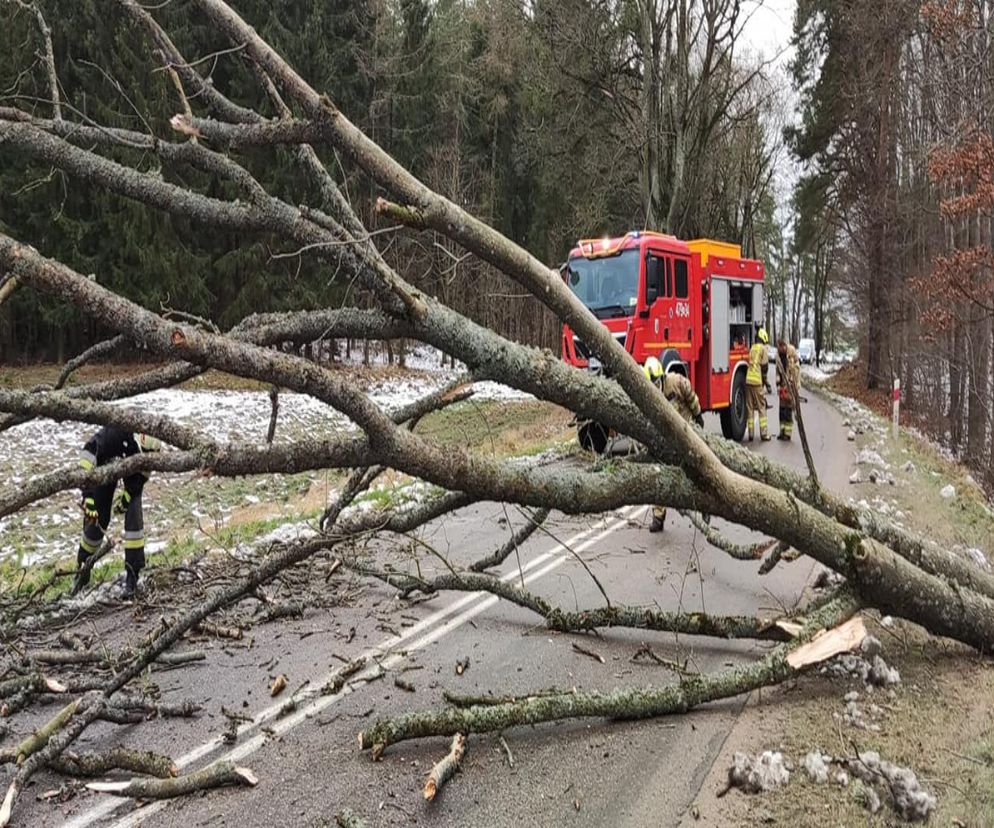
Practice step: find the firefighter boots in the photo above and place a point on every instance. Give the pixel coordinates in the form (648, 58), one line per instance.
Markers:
(134, 562)
(82, 576)
(130, 584)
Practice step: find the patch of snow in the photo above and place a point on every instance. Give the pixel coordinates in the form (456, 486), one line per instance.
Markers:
(909, 799)
(881, 674)
(40, 446)
(869, 457)
(828, 578)
(286, 533)
(816, 767)
(816, 374)
(866, 796)
(758, 774)
(978, 557)
(876, 673)
(871, 646)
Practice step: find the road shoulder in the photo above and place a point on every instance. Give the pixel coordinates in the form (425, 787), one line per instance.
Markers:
(937, 720)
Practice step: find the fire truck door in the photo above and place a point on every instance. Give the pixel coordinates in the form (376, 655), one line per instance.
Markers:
(682, 335)
(661, 310)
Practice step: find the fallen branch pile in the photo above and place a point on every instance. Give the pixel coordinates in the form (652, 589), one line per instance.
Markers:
(676, 465)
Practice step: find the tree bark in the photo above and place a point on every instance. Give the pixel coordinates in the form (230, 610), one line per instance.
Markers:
(627, 703)
(217, 775)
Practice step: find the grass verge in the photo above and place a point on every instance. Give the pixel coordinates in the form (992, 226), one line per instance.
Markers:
(939, 720)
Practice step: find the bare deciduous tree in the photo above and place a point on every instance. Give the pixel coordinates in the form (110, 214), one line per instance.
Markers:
(679, 466)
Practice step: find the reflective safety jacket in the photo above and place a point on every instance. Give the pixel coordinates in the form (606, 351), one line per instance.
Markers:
(758, 360)
(109, 444)
(678, 390)
(792, 365)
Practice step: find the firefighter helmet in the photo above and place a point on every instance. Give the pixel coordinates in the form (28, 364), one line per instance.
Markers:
(763, 336)
(653, 369)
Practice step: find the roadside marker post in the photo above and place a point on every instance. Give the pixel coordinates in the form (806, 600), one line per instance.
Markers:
(897, 407)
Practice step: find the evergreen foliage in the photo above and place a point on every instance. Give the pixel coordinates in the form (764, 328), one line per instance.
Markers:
(514, 110)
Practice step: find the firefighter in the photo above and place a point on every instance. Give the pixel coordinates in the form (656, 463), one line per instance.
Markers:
(788, 378)
(756, 383)
(680, 393)
(108, 444)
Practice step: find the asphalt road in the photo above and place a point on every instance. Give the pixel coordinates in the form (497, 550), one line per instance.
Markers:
(573, 773)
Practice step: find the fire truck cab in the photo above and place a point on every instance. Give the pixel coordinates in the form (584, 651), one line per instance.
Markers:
(695, 305)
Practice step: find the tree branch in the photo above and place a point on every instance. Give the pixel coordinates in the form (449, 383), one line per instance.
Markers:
(633, 703)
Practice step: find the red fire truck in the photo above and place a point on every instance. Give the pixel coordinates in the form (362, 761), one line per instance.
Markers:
(695, 305)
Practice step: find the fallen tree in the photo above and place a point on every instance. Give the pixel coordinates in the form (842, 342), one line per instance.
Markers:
(678, 465)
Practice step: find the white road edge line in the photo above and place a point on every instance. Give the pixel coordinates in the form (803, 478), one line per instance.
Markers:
(537, 567)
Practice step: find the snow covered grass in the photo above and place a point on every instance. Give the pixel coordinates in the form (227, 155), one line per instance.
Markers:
(818, 375)
(916, 484)
(498, 420)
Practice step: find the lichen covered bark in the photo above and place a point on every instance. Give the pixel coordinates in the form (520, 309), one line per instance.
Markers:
(622, 703)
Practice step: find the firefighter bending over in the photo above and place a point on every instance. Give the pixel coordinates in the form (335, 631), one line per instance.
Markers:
(680, 393)
(788, 379)
(107, 445)
(756, 383)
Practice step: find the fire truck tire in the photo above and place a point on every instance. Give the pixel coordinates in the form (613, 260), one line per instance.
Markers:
(733, 418)
(592, 437)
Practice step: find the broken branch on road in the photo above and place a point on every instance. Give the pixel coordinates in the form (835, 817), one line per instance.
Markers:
(884, 567)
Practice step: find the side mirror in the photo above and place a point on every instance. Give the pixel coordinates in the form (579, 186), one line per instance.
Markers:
(653, 279)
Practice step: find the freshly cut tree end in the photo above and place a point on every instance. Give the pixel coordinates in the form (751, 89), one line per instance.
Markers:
(445, 769)
(828, 643)
(54, 686)
(8, 805)
(181, 123)
(792, 628)
(108, 787)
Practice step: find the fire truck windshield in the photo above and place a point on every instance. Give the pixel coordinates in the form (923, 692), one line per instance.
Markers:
(608, 286)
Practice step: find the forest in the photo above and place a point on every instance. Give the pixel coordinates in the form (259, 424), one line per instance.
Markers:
(860, 171)
(207, 207)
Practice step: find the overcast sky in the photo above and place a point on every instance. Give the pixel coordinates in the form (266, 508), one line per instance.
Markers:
(769, 28)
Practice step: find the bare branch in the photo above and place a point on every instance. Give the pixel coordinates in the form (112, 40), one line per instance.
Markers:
(642, 702)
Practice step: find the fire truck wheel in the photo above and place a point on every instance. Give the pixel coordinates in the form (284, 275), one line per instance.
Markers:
(733, 418)
(592, 437)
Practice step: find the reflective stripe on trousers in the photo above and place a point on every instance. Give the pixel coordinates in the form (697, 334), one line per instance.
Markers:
(93, 535)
